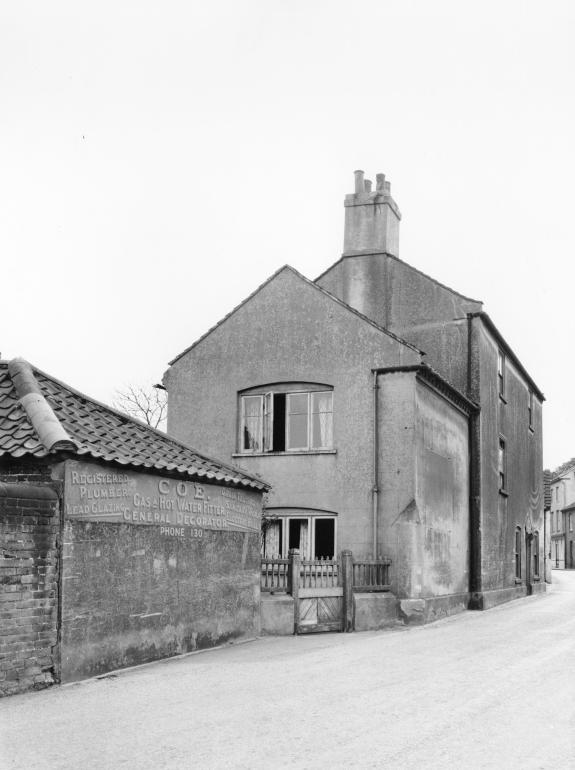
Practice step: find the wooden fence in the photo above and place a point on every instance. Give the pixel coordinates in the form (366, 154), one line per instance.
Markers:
(277, 574)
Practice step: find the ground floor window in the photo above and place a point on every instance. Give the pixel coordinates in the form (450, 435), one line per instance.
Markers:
(536, 554)
(313, 534)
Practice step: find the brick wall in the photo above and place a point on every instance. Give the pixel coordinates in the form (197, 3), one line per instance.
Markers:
(29, 526)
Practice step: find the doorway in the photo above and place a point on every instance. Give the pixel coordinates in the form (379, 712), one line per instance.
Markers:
(528, 564)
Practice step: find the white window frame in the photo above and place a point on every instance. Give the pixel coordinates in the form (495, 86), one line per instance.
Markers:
(303, 516)
(265, 436)
(247, 450)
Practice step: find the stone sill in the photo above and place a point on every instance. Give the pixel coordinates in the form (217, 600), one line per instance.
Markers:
(286, 454)
(504, 492)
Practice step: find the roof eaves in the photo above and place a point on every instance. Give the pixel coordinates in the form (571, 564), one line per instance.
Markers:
(83, 450)
(429, 374)
(502, 342)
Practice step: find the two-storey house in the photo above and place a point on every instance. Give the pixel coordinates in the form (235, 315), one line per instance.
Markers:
(388, 413)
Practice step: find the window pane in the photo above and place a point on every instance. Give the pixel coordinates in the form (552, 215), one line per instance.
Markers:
(298, 536)
(324, 538)
(297, 431)
(322, 420)
(298, 420)
(252, 423)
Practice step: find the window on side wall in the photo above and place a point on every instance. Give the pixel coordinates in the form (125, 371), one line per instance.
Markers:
(502, 465)
(501, 373)
(518, 553)
(530, 410)
(536, 554)
(287, 419)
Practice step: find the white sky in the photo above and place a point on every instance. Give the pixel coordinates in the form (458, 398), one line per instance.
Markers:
(159, 160)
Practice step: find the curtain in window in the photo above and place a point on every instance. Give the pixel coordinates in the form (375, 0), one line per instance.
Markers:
(252, 423)
(272, 540)
(304, 540)
(322, 422)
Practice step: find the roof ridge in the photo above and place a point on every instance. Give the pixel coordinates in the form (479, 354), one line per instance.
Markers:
(348, 255)
(48, 427)
(315, 286)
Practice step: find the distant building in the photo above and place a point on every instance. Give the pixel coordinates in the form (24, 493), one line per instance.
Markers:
(118, 545)
(562, 516)
(433, 458)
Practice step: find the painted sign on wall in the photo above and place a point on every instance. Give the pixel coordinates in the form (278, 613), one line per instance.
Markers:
(97, 493)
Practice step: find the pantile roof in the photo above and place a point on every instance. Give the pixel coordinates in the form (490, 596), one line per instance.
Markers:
(40, 416)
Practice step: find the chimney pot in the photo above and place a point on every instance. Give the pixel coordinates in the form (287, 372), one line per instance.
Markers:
(359, 183)
(367, 184)
(387, 188)
(380, 180)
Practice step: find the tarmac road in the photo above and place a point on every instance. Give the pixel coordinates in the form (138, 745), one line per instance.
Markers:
(489, 689)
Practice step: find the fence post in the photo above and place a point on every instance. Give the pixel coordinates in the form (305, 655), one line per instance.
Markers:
(293, 584)
(347, 580)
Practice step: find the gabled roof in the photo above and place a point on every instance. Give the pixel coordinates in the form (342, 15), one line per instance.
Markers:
(504, 345)
(314, 286)
(41, 416)
(351, 254)
(562, 470)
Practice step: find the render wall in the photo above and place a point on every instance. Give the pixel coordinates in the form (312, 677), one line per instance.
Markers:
(154, 567)
(424, 501)
(409, 303)
(522, 505)
(29, 527)
(291, 332)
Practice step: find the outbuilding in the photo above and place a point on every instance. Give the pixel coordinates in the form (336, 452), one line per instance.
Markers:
(118, 544)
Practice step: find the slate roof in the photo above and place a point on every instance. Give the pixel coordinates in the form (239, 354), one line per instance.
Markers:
(41, 416)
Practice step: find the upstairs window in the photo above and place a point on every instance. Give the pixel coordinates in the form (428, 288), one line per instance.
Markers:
(530, 409)
(502, 464)
(286, 420)
(501, 373)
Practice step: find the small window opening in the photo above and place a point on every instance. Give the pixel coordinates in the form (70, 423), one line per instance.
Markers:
(518, 553)
(501, 373)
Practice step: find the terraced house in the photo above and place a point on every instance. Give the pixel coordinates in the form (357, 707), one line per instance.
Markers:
(387, 412)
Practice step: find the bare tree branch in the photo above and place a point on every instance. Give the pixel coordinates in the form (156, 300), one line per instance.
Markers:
(147, 404)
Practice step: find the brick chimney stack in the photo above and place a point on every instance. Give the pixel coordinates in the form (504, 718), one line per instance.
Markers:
(371, 218)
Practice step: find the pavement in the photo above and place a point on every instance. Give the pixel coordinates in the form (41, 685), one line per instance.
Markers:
(492, 689)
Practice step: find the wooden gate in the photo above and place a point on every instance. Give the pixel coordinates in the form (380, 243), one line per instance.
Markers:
(319, 603)
(322, 589)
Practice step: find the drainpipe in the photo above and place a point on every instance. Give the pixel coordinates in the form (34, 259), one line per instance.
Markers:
(375, 488)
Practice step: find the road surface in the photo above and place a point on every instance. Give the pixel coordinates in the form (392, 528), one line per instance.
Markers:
(489, 689)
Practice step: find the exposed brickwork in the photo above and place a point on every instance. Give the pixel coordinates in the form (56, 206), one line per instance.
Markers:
(29, 525)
